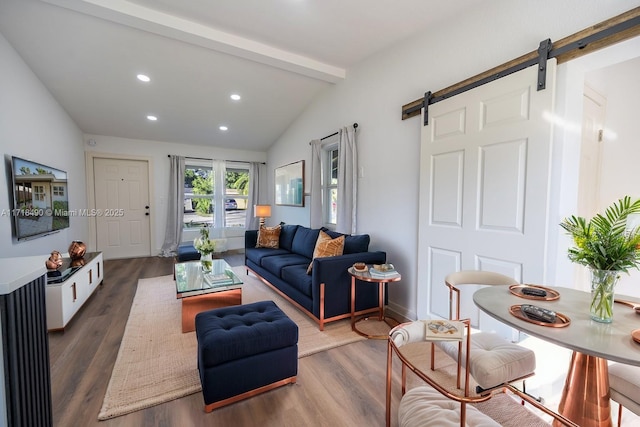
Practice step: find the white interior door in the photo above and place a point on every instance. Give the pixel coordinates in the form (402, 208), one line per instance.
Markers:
(122, 207)
(484, 188)
(591, 153)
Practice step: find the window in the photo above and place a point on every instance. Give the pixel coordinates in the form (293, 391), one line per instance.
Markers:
(198, 195)
(330, 185)
(201, 200)
(58, 190)
(236, 195)
(38, 192)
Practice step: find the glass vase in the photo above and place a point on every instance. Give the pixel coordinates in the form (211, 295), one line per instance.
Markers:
(206, 260)
(603, 283)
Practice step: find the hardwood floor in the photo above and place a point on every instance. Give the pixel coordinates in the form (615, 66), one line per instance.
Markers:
(340, 387)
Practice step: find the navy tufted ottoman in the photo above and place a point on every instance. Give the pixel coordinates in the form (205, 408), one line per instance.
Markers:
(245, 350)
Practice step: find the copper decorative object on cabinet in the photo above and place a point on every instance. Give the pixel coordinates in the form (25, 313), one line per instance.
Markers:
(54, 262)
(78, 262)
(77, 250)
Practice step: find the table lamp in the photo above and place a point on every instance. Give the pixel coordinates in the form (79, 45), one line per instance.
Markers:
(262, 212)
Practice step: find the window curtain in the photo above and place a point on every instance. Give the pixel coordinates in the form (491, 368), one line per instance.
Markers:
(175, 212)
(347, 181)
(253, 198)
(316, 220)
(219, 184)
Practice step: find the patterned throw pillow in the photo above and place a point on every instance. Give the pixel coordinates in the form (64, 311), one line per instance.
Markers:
(269, 237)
(326, 246)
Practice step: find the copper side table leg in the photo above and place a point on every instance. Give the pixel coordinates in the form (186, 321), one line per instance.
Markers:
(353, 303)
(585, 398)
(381, 300)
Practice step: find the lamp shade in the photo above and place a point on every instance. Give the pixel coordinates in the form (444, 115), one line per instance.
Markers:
(262, 211)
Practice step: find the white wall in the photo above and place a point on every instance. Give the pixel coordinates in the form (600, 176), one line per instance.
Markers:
(35, 127)
(375, 90)
(620, 85)
(156, 153)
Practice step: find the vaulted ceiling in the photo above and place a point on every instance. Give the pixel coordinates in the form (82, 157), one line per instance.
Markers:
(278, 55)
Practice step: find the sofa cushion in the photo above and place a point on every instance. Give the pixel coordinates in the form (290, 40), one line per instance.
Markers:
(304, 242)
(269, 237)
(296, 276)
(353, 244)
(275, 264)
(287, 233)
(257, 254)
(326, 246)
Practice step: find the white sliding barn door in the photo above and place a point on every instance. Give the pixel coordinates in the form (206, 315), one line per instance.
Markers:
(484, 188)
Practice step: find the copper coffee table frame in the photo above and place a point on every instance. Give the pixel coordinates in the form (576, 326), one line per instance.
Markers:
(364, 276)
(198, 295)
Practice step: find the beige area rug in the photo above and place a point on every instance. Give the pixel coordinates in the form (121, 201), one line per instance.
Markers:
(504, 408)
(157, 363)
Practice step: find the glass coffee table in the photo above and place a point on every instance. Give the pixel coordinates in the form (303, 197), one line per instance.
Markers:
(201, 291)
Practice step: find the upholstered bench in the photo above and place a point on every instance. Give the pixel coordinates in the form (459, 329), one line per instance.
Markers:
(186, 252)
(424, 406)
(245, 350)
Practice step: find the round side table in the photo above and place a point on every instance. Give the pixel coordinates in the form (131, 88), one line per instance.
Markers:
(364, 276)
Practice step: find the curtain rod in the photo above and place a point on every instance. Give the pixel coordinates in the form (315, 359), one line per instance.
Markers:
(204, 158)
(355, 126)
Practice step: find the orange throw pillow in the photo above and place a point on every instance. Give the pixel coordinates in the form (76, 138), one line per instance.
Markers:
(269, 237)
(326, 246)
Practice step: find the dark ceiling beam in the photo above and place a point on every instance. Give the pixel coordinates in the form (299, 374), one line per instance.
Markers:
(614, 30)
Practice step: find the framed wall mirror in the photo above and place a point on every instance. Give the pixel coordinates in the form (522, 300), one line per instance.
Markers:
(289, 181)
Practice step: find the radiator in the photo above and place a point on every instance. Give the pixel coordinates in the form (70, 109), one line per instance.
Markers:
(25, 348)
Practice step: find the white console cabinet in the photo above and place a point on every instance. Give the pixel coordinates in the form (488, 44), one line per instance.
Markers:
(66, 295)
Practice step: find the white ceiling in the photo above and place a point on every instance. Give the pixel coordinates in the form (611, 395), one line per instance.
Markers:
(277, 54)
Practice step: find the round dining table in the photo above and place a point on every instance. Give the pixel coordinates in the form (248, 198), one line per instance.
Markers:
(585, 397)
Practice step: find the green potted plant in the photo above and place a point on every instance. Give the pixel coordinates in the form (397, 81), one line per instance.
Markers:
(607, 247)
(206, 247)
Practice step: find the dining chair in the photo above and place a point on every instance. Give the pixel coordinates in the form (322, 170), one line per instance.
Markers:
(624, 387)
(494, 361)
(436, 402)
(433, 403)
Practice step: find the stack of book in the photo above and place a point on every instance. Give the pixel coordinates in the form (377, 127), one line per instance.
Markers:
(383, 271)
(216, 280)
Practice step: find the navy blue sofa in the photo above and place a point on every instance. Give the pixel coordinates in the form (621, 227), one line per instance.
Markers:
(325, 294)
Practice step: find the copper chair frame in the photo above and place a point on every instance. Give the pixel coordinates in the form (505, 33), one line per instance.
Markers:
(464, 399)
(472, 277)
(393, 348)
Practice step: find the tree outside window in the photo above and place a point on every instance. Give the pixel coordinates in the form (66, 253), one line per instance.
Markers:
(200, 200)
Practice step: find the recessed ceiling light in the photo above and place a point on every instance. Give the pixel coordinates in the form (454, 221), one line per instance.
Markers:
(235, 97)
(143, 78)
(223, 128)
(152, 118)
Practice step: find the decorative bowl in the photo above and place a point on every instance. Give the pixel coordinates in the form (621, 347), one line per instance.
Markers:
(360, 266)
